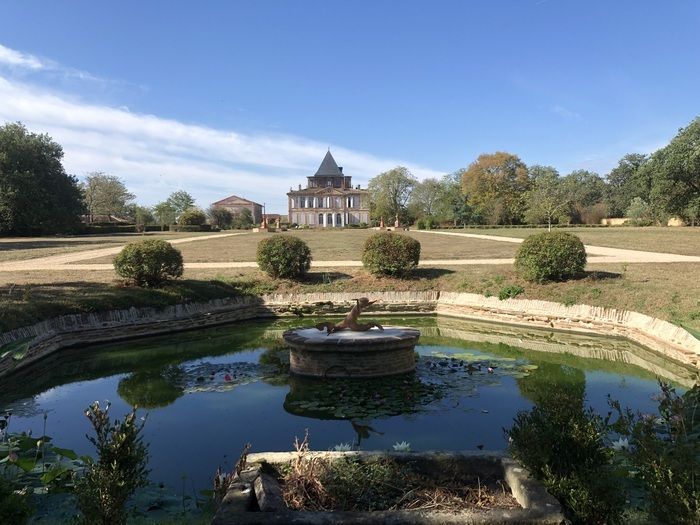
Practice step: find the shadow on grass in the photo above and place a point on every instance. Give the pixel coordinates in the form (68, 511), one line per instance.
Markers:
(429, 273)
(598, 275)
(324, 277)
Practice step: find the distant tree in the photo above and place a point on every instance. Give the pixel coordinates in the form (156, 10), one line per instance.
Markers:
(625, 182)
(243, 220)
(180, 201)
(639, 211)
(192, 217)
(105, 195)
(676, 171)
(495, 185)
(390, 193)
(165, 213)
(691, 213)
(546, 199)
(584, 189)
(220, 217)
(142, 216)
(427, 198)
(36, 194)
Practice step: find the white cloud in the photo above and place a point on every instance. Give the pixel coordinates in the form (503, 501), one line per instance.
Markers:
(565, 112)
(13, 58)
(155, 156)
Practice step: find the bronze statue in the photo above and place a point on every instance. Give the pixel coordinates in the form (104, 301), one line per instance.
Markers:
(350, 321)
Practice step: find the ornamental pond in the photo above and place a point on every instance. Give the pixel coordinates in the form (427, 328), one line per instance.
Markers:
(206, 393)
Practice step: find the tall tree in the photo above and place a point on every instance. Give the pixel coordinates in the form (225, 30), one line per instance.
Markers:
(390, 192)
(142, 216)
(165, 213)
(495, 185)
(427, 197)
(625, 182)
(676, 168)
(180, 201)
(546, 199)
(105, 195)
(244, 219)
(220, 216)
(585, 189)
(36, 194)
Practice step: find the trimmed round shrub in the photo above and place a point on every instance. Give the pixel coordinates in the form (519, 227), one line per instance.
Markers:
(284, 256)
(149, 263)
(550, 256)
(391, 254)
(192, 217)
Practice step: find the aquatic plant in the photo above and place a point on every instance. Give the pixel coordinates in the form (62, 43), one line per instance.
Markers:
(343, 447)
(402, 447)
(104, 488)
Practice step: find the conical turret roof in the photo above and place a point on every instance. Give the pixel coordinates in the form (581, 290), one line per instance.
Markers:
(328, 167)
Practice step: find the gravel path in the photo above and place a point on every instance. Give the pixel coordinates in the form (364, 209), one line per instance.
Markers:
(597, 255)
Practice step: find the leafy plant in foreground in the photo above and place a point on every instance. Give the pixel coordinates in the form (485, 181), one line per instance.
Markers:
(106, 485)
(563, 445)
(665, 451)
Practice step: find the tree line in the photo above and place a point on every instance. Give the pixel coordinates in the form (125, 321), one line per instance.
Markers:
(499, 188)
(37, 196)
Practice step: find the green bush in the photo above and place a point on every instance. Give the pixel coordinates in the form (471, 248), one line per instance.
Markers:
(665, 452)
(510, 292)
(550, 256)
(192, 217)
(420, 224)
(108, 483)
(391, 254)
(191, 228)
(109, 228)
(284, 256)
(563, 445)
(14, 506)
(149, 262)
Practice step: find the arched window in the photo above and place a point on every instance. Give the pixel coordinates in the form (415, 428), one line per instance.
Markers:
(338, 219)
(320, 219)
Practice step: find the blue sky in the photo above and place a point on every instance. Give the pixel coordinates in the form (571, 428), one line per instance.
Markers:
(244, 97)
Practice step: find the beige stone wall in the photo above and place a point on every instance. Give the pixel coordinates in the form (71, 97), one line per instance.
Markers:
(74, 330)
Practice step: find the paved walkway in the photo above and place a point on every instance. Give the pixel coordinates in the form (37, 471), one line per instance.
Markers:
(597, 255)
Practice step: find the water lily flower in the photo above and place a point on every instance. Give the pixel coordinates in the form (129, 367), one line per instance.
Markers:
(343, 447)
(402, 447)
(621, 444)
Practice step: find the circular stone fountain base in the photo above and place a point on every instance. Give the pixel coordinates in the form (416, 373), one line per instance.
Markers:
(346, 353)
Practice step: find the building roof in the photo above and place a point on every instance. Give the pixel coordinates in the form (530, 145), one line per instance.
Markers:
(327, 191)
(234, 200)
(328, 167)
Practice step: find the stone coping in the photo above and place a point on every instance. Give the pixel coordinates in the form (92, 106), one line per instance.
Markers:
(65, 331)
(314, 339)
(249, 502)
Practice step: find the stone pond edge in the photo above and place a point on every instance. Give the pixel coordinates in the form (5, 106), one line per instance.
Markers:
(46, 337)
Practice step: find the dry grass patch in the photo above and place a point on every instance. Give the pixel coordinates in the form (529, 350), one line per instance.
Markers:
(681, 240)
(338, 245)
(668, 291)
(384, 483)
(22, 248)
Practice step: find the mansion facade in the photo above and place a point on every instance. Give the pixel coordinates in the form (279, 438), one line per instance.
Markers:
(329, 199)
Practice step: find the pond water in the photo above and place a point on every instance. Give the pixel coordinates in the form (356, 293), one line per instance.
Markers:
(207, 393)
